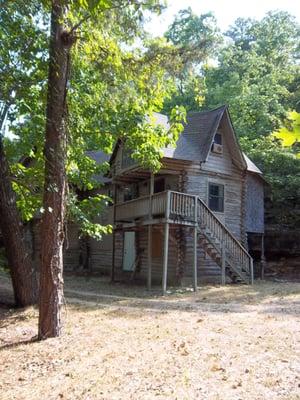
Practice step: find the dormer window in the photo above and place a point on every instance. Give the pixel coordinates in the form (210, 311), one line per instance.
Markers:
(217, 146)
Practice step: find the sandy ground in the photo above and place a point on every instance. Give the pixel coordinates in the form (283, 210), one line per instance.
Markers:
(233, 342)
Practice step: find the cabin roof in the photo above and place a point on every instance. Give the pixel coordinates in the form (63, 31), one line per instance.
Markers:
(251, 167)
(195, 141)
(100, 157)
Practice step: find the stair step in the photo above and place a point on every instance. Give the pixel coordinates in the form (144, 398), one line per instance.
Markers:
(212, 247)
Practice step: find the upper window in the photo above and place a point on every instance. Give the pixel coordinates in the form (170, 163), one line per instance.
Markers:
(216, 197)
(217, 144)
(218, 138)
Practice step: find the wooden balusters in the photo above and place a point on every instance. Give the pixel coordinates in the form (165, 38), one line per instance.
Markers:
(230, 247)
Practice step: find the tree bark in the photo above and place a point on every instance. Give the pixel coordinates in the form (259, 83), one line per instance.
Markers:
(54, 200)
(22, 272)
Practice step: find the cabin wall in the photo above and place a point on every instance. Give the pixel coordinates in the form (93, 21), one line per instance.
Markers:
(100, 251)
(254, 204)
(197, 184)
(157, 256)
(197, 178)
(180, 262)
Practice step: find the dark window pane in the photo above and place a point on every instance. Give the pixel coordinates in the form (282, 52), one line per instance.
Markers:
(214, 190)
(218, 138)
(216, 197)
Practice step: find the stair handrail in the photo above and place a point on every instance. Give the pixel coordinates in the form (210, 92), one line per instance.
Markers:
(227, 231)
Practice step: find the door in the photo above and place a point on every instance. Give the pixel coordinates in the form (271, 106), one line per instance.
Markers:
(129, 251)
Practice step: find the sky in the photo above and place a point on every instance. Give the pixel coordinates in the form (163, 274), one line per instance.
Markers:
(226, 11)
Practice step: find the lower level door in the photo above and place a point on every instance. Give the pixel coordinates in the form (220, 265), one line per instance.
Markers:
(129, 251)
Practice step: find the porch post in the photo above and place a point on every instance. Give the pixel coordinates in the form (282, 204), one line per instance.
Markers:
(149, 276)
(195, 244)
(262, 257)
(165, 260)
(195, 259)
(223, 260)
(112, 277)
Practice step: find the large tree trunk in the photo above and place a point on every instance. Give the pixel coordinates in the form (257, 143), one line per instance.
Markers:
(54, 201)
(22, 273)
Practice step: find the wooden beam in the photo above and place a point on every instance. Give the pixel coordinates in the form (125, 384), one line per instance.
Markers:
(195, 282)
(223, 259)
(262, 257)
(149, 276)
(165, 260)
(112, 276)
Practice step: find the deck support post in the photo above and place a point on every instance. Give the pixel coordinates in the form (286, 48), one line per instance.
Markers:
(165, 260)
(112, 276)
(195, 280)
(223, 260)
(149, 275)
(195, 244)
(262, 258)
(251, 272)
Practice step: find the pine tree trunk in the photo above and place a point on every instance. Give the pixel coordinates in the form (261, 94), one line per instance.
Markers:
(54, 201)
(18, 257)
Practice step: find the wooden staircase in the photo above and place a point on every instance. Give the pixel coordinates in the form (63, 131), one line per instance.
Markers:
(219, 243)
(170, 207)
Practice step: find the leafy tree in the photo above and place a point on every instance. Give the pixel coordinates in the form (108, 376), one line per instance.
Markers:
(256, 72)
(289, 134)
(282, 171)
(21, 63)
(105, 74)
(197, 38)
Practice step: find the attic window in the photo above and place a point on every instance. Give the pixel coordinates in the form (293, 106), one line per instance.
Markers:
(216, 197)
(217, 146)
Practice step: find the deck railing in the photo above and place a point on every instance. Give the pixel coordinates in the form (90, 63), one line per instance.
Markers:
(168, 204)
(182, 206)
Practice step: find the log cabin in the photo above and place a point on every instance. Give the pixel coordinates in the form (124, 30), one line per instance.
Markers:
(186, 224)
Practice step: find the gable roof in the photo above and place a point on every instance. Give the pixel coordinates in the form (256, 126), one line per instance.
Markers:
(195, 141)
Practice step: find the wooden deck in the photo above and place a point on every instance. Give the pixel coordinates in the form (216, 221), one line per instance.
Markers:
(210, 233)
(167, 206)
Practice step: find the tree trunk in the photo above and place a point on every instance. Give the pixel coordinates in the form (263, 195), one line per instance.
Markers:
(22, 273)
(54, 200)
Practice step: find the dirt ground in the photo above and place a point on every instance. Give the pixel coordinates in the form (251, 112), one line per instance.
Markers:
(233, 342)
